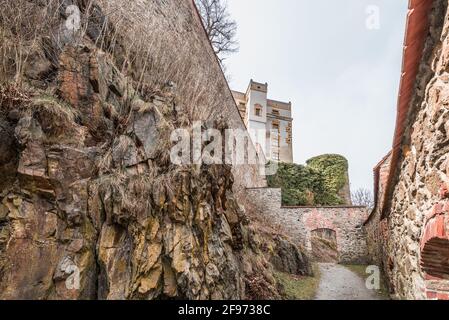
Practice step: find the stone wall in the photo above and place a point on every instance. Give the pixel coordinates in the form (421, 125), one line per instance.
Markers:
(376, 228)
(416, 225)
(299, 222)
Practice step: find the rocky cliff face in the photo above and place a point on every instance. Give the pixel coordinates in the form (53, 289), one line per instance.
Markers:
(94, 192)
(91, 206)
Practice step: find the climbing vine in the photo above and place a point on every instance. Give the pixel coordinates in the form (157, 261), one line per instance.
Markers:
(317, 183)
(334, 169)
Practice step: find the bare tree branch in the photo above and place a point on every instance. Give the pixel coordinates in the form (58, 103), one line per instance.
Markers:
(363, 197)
(220, 27)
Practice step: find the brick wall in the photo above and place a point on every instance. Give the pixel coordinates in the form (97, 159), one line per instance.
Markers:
(299, 222)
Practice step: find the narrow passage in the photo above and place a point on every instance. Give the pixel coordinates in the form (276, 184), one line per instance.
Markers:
(340, 283)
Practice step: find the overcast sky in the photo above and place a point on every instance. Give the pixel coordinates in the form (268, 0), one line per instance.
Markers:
(341, 76)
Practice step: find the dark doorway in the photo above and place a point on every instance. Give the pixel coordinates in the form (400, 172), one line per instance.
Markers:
(324, 245)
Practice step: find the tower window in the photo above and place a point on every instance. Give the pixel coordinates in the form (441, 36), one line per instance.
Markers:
(258, 110)
(275, 112)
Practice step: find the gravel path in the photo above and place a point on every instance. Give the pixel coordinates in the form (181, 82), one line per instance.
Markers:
(340, 283)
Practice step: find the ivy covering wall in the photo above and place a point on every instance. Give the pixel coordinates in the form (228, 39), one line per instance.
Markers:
(319, 182)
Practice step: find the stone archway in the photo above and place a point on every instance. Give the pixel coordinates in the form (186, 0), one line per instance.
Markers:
(324, 245)
(435, 254)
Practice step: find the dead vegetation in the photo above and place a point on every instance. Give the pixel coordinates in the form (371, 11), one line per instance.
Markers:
(12, 96)
(55, 116)
(151, 60)
(23, 24)
(299, 287)
(257, 288)
(140, 45)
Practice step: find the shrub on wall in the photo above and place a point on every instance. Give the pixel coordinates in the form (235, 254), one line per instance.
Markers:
(334, 168)
(317, 183)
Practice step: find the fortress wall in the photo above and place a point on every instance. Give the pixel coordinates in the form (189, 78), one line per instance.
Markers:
(299, 222)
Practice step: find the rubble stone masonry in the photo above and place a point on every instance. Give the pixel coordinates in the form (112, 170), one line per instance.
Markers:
(415, 228)
(376, 228)
(299, 222)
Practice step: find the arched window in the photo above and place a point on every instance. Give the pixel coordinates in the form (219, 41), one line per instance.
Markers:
(258, 110)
